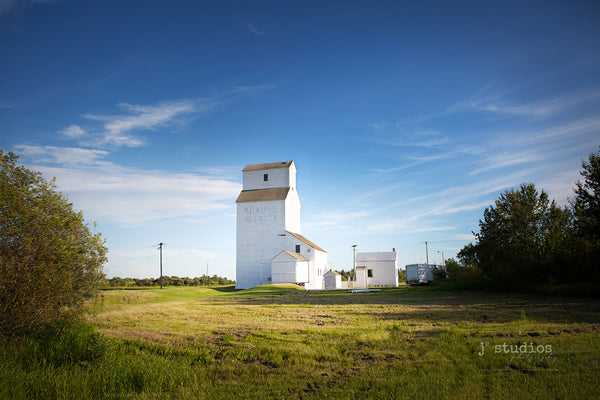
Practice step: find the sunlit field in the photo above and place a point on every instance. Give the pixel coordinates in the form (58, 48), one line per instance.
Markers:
(283, 342)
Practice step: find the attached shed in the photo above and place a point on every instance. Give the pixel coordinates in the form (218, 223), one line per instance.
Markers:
(288, 267)
(332, 280)
(378, 268)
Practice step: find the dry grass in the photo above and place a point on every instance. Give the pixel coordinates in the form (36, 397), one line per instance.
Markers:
(283, 342)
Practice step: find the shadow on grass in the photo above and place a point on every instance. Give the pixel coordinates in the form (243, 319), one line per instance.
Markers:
(427, 304)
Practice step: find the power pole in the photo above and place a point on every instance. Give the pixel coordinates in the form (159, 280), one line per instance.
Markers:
(160, 245)
(354, 262)
(427, 251)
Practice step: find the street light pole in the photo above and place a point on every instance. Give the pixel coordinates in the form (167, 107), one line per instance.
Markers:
(443, 259)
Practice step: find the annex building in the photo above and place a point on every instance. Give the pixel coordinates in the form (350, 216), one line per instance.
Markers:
(270, 247)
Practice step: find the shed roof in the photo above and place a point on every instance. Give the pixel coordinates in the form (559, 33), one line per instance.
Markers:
(376, 256)
(279, 193)
(295, 256)
(306, 241)
(258, 167)
(333, 273)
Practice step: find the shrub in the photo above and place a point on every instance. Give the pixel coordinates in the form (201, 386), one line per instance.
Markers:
(50, 262)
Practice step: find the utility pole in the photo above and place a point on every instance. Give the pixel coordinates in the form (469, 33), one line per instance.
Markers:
(427, 251)
(160, 245)
(354, 262)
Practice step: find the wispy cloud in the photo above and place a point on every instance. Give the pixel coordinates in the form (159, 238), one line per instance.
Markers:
(508, 159)
(130, 196)
(74, 132)
(69, 156)
(540, 108)
(118, 130)
(414, 160)
(253, 28)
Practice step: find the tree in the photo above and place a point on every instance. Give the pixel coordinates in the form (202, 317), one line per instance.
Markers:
(522, 238)
(586, 223)
(50, 262)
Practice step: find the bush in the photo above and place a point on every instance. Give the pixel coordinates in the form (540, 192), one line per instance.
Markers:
(50, 261)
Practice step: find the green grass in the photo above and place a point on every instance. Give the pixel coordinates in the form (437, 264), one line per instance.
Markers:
(283, 342)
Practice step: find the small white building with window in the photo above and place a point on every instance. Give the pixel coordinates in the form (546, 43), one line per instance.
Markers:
(332, 280)
(270, 247)
(376, 269)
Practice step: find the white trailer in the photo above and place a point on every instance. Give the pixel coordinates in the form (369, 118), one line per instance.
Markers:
(420, 274)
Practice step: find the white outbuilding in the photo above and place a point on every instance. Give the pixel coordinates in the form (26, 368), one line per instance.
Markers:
(376, 269)
(270, 247)
(332, 280)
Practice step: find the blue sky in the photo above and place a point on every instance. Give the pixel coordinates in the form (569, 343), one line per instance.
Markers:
(404, 120)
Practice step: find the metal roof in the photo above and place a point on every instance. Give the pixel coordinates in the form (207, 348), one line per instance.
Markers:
(295, 256)
(279, 193)
(377, 256)
(306, 241)
(258, 167)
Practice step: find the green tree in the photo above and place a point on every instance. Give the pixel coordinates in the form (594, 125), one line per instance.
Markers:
(522, 239)
(50, 261)
(586, 223)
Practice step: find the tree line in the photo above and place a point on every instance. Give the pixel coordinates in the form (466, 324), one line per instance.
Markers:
(203, 280)
(526, 240)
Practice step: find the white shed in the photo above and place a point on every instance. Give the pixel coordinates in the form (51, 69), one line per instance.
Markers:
(332, 280)
(377, 268)
(288, 267)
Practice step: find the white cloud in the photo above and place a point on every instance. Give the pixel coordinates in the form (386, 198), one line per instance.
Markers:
(130, 196)
(509, 159)
(541, 108)
(70, 156)
(118, 128)
(73, 131)
(464, 236)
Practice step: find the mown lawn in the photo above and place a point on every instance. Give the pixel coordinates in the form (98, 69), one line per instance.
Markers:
(283, 342)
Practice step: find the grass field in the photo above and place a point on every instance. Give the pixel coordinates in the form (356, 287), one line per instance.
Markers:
(283, 342)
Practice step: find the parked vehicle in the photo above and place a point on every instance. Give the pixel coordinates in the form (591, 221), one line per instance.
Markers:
(420, 274)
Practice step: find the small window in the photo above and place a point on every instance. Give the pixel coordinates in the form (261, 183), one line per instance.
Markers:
(370, 273)
(298, 248)
(266, 177)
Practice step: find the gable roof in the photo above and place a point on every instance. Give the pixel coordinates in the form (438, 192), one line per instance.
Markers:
(377, 256)
(258, 167)
(279, 193)
(306, 241)
(332, 273)
(295, 256)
